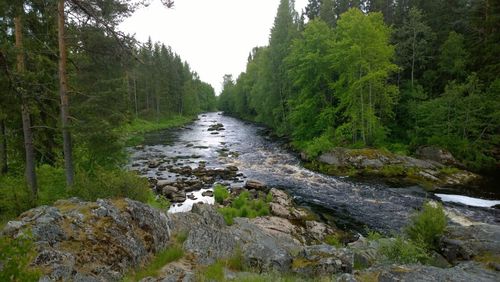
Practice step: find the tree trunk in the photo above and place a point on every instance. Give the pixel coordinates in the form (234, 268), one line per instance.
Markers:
(413, 56)
(63, 91)
(25, 114)
(4, 168)
(135, 97)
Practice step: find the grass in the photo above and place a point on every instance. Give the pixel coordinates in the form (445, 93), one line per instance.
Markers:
(333, 240)
(220, 193)
(133, 132)
(243, 206)
(153, 268)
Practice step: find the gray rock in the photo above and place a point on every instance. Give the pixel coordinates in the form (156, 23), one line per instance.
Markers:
(254, 184)
(84, 241)
(465, 272)
(464, 242)
(321, 260)
(436, 154)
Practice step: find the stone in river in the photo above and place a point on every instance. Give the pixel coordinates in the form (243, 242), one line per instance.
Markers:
(254, 184)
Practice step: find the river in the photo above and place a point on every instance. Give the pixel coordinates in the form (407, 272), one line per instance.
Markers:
(350, 204)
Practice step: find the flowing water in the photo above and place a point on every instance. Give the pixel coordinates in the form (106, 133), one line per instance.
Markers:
(352, 204)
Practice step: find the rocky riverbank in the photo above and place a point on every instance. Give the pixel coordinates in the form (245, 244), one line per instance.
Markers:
(101, 241)
(434, 167)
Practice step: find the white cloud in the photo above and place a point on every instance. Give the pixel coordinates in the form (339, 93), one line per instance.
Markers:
(214, 37)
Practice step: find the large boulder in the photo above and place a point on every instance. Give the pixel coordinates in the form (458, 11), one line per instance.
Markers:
(92, 241)
(436, 154)
(467, 242)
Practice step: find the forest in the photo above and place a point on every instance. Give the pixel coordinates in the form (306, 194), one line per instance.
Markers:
(384, 74)
(73, 91)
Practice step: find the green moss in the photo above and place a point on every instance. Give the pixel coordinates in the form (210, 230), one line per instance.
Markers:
(489, 259)
(367, 276)
(449, 170)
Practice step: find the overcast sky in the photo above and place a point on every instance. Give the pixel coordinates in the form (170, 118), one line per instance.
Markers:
(213, 36)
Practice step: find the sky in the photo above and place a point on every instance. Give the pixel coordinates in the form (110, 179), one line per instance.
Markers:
(214, 37)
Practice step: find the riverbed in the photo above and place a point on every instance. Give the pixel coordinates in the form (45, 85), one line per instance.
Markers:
(349, 203)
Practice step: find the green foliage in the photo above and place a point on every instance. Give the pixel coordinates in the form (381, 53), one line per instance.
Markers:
(333, 239)
(110, 184)
(374, 235)
(428, 226)
(153, 268)
(158, 201)
(400, 250)
(15, 258)
(243, 206)
(220, 193)
(133, 132)
(214, 272)
(235, 261)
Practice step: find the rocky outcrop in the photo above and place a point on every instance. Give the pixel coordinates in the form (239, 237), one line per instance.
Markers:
(465, 272)
(432, 171)
(477, 241)
(436, 154)
(92, 241)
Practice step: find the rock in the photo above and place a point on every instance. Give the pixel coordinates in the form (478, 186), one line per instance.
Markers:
(232, 168)
(318, 230)
(465, 272)
(178, 197)
(263, 249)
(167, 191)
(92, 241)
(333, 157)
(279, 210)
(208, 193)
(395, 168)
(321, 260)
(153, 163)
(465, 242)
(254, 184)
(436, 154)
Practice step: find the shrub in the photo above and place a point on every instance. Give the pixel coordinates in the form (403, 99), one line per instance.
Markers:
(373, 236)
(242, 206)
(427, 226)
(110, 184)
(404, 251)
(333, 240)
(15, 257)
(158, 201)
(14, 197)
(220, 193)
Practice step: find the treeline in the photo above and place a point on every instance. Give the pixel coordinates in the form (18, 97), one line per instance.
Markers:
(69, 82)
(394, 74)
